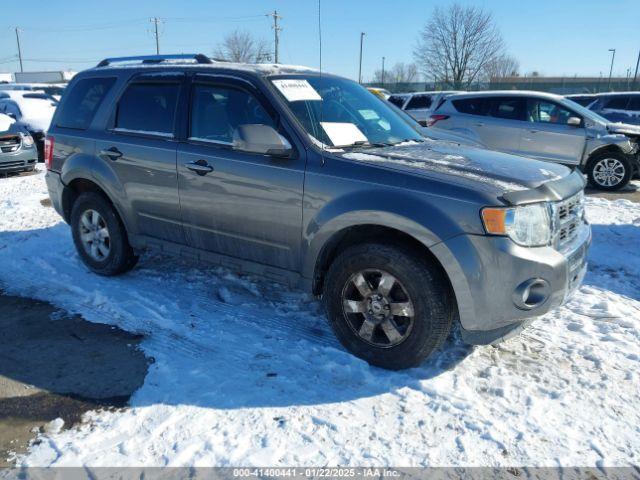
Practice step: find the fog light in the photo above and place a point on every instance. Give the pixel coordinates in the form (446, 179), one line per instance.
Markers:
(531, 293)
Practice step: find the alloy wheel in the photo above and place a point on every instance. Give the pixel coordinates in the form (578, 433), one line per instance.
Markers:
(94, 235)
(378, 308)
(608, 172)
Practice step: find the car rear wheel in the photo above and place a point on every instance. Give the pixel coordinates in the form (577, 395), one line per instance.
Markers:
(99, 236)
(609, 171)
(387, 305)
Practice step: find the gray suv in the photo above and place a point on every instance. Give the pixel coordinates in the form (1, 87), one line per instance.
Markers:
(308, 179)
(545, 127)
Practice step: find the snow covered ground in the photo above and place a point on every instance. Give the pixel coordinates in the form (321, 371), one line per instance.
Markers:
(248, 373)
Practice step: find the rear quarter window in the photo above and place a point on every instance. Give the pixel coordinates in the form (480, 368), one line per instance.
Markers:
(418, 102)
(82, 102)
(470, 106)
(618, 102)
(397, 100)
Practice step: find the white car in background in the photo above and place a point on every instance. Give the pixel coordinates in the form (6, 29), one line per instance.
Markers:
(54, 89)
(419, 105)
(33, 109)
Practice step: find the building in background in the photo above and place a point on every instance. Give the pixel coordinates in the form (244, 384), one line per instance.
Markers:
(564, 85)
(60, 76)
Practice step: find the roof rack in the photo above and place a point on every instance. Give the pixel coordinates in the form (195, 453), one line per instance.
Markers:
(198, 57)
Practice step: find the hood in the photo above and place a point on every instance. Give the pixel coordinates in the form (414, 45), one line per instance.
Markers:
(624, 129)
(491, 170)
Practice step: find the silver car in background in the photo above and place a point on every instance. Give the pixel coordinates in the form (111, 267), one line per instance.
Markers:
(545, 127)
(419, 105)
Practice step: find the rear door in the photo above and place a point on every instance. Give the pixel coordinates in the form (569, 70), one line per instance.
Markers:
(140, 147)
(243, 205)
(547, 135)
(501, 127)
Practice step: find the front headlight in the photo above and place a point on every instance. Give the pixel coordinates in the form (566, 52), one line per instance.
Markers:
(527, 225)
(27, 140)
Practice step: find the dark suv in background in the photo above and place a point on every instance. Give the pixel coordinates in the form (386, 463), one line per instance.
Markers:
(618, 107)
(309, 179)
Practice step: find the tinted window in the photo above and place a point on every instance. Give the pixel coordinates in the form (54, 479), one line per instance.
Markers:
(148, 107)
(542, 111)
(510, 108)
(618, 102)
(634, 103)
(397, 100)
(82, 102)
(419, 101)
(217, 111)
(471, 106)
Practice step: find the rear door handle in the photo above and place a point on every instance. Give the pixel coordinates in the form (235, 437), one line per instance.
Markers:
(201, 167)
(113, 153)
(479, 124)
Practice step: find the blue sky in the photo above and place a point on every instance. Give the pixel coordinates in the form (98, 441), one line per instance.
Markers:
(554, 37)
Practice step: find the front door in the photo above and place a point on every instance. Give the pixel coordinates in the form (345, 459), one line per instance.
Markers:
(548, 136)
(237, 203)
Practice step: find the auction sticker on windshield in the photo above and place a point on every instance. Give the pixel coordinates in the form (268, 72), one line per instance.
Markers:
(342, 134)
(296, 90)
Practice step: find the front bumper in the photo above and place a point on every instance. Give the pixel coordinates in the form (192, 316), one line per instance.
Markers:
(23, 159)
(487, 274)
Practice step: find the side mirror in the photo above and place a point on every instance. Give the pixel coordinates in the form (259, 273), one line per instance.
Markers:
(574, 121)
(261, 139)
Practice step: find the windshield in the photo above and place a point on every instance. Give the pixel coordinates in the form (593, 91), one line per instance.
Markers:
(590, 114)
(340, 113)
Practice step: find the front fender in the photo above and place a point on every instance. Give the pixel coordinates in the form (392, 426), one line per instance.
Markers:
(406, 211)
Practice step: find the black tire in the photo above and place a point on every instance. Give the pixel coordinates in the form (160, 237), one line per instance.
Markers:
(598, 161)
(121, 257)
(425, 286)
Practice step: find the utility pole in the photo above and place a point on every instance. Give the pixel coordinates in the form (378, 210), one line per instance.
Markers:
(635, 76)
(613, 56)
(382, 72)
(155, 21)
(360, 68)
(19, 49)
(276, 31)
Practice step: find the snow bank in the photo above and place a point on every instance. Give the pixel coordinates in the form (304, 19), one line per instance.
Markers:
(247, 372)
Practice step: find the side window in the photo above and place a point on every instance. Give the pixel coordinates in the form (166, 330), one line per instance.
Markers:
(418, 102)
(542, 111)
(216, 112)
(617, 102)
(509, 108)
(634, 103)
(148, 108)
(471, 106)
(397, 100)
(82, 102)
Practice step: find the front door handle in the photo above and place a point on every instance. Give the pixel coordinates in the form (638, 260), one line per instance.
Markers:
(201, 167)
(479, 124)
(113, 153)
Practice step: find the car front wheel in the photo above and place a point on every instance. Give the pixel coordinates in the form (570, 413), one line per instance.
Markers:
(387, 305)
(609, 171)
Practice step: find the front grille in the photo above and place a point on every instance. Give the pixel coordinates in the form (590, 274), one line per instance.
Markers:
(10, 143)
(568, 215)
(5, 165)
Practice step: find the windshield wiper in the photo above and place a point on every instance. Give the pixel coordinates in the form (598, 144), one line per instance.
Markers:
(364, 144)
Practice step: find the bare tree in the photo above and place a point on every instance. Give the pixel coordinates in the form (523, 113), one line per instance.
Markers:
(399, 73)
(503, 66)
(241, 46)
(457, 44)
